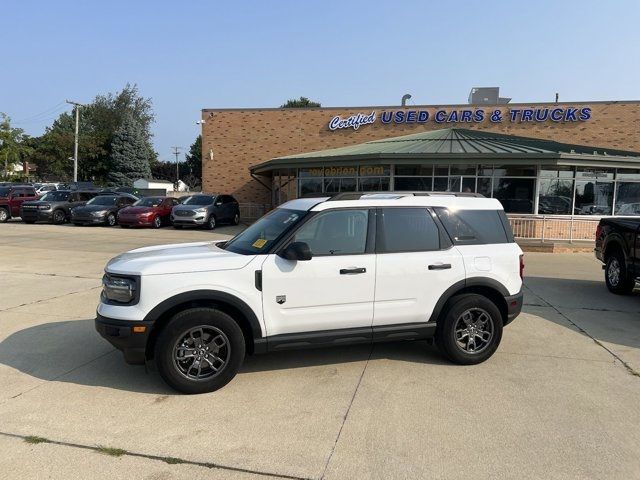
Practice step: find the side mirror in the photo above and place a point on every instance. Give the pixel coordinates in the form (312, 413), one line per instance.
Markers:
(217, 204)
(296, 251)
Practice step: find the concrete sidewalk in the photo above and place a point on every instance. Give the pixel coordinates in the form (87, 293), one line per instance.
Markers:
(558, 400)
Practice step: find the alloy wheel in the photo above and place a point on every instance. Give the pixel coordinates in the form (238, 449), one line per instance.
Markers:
(212, 222)
(111, 219)
(613, 272)
(157, 222)
(58, 216)
(3, 215)
(201, 353)
(474, 330)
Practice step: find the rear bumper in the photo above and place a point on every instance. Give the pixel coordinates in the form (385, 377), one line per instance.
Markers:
(514, 306)
(120, 334)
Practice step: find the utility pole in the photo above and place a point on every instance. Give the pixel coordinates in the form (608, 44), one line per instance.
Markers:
(77, 105)
(176, 152)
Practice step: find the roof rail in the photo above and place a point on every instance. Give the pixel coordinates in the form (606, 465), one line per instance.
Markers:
(394, 194)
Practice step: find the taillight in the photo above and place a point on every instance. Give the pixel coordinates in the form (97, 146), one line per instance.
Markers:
(598, 231)
(522, 266)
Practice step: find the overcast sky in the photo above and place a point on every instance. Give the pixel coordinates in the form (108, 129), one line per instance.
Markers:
(189, 55)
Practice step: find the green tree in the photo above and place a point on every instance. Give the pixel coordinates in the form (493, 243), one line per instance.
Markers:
(191, 169)
(302, 102)
(14, 145)
(130, 154)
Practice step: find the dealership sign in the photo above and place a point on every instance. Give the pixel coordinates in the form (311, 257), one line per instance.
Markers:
(464, 115)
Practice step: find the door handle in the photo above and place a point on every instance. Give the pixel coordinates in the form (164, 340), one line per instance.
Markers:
(440, 266)
(352, 271)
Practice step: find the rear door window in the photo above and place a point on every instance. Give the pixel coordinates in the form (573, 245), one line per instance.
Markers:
(406, 230)
(473, 227)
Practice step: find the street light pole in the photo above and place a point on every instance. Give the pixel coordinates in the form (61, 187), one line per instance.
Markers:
(75, 145)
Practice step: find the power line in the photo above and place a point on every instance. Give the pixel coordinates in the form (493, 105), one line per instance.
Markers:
(48, 111)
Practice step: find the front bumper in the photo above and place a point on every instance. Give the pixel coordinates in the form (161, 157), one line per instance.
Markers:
(514, 306)
(36, 215)
(135, 221)
(86, 220)
(121, 335)
(195, 220)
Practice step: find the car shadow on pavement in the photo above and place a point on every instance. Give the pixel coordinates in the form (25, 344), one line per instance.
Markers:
(587, 303)
(72, 352)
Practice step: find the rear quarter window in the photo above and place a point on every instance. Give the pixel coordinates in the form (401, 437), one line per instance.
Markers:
(474, 227)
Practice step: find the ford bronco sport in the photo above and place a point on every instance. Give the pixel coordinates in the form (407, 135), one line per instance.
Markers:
(355, 268)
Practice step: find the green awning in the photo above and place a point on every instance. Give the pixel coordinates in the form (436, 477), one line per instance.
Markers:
(458, 145)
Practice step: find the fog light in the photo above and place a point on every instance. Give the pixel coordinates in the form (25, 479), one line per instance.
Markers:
(139, 329)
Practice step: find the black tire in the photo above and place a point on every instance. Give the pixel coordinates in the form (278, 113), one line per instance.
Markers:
(4, 215)
(455, 317)
(236, 219)
(211, 223)
(58, 217)
(171, 338)
(111, 220)
(157, 221)
(616, 276)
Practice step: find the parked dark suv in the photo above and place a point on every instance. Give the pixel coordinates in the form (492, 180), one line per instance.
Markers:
(101, 210)
(54, 207)
(206, 210)
(11, 198)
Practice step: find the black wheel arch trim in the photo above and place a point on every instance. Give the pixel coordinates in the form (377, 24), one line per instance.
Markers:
(463, 284)
(208, 295)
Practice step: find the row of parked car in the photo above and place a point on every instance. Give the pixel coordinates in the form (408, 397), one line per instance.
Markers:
(114, 207)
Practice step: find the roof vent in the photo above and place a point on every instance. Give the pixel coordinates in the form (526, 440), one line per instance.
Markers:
(487, 96)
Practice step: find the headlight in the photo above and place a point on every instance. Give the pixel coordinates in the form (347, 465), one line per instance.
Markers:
(98, 213)
(118, 289)
(44, 207)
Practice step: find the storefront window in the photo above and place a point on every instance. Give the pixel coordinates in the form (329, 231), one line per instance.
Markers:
(335, 185)
(414, 170)
(628, 174)
(594, 173)
(311, 172)
(484, 186)
(373, 184)
(440, 184)
(421, 184)
(556, 172)
(374, 170)
(463, 169)
(515, 194)
(310, 185)
(628, 198)
(441, 170)
(349, 171)
(514, 171)
(593, 198)
(556, 196)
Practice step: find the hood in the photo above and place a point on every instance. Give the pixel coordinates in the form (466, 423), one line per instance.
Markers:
(37, 202)
(93, 208)
(177, 258)
(136, 210)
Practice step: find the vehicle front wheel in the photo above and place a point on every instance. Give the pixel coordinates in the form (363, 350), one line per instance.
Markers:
(236, 219)
(470, 329)
(59, 217)
(211, 223)
(200, 350)
(4, 215)
(157, 222)
(111, 220)
(616, 277)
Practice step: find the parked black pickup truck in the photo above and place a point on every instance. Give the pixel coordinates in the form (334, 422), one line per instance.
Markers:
(618, 247)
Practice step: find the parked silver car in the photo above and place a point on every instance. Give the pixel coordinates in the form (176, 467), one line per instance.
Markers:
(206, 210)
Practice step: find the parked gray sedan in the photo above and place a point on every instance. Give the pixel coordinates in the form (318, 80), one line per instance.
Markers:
(206, 210)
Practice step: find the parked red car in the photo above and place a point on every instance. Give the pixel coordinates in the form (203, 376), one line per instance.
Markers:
(11, 198)
(147, 212)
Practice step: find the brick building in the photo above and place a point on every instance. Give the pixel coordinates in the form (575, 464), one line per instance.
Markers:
(243, 150)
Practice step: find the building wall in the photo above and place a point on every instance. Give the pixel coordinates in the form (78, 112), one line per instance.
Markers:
(239, 138)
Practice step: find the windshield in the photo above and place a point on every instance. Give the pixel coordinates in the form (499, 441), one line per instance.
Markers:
(56, 196)
(265, 232)
(199, 200)
(103, 200)
(4, 191)
(149, 202)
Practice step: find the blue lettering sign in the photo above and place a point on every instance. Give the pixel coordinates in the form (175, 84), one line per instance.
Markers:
(423, 116)
(440, 116)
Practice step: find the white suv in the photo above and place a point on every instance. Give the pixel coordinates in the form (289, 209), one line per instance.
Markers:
(355, 268)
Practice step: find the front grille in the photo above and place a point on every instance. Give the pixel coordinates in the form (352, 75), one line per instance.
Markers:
(29, 207)
(185, 213)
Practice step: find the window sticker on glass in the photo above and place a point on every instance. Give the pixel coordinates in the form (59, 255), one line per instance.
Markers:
(259, 243)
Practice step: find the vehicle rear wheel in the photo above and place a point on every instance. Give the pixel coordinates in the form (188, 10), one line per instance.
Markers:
(111, 220)
(200, 350)
(616, 277)
(236, 219)
(157, 222)
(4, 215)
(470, 329)
(59, 217)
(211, 223)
